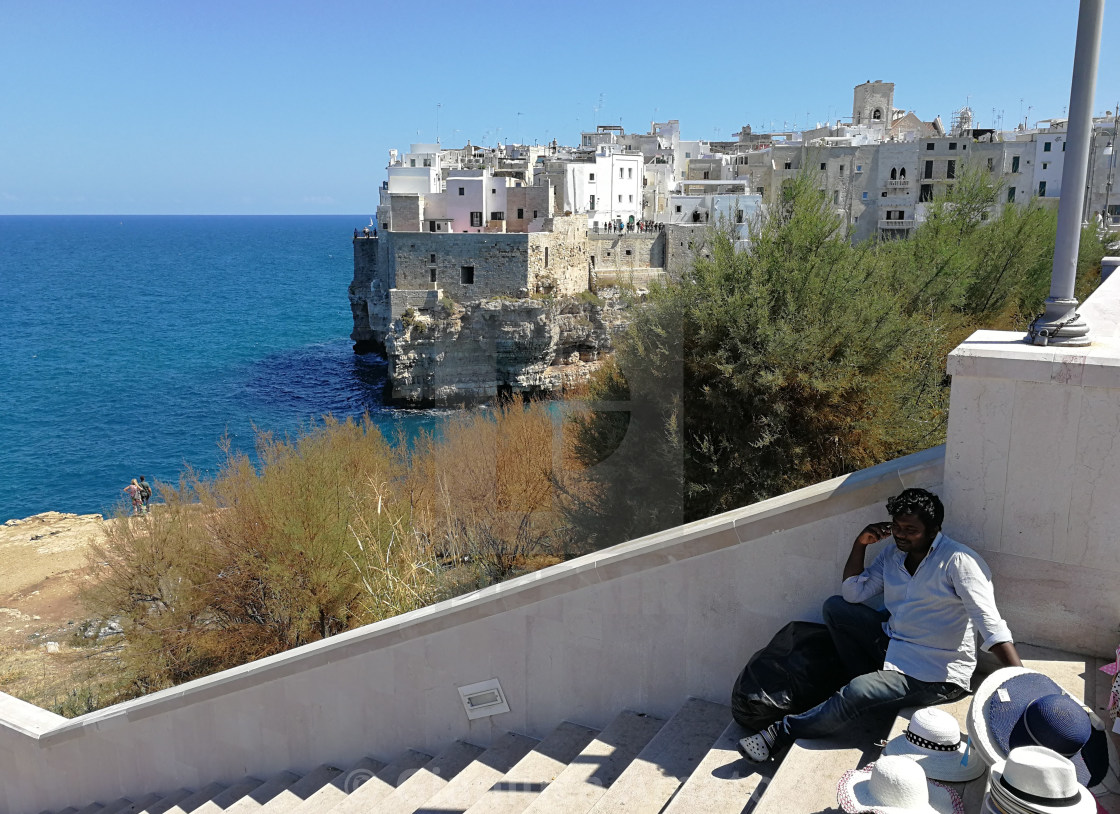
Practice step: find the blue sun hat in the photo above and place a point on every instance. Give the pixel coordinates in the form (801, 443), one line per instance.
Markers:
(1017, 707)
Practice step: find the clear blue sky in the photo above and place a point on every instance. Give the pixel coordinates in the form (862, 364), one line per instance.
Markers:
(240, 107)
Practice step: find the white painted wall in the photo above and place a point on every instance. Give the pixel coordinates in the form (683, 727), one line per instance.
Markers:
(1033, 477)
(474, 198)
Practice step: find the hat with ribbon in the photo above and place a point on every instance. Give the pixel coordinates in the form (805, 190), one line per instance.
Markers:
(1037, 780)
(895, 785)
(933, 738)
(1017, 706)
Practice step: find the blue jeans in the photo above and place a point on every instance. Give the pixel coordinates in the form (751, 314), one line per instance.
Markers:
(858, 634)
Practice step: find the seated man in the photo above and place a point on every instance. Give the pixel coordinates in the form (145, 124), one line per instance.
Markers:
(918, 652)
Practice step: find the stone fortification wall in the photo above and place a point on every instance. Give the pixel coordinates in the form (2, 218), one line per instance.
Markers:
(459, 354)
(559, 259)
(497, 263)
(369, 293)
(628, 250)
(684, 242)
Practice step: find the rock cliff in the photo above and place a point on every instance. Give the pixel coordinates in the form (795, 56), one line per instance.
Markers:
(451, 354)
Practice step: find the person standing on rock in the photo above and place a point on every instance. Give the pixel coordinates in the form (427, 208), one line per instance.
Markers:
(133, 492)
(145, 495)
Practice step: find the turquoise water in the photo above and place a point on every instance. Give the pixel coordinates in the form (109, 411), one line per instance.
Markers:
(131, 344)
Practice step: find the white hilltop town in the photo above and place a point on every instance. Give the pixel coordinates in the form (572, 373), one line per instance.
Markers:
(460, 233)
(601, 685)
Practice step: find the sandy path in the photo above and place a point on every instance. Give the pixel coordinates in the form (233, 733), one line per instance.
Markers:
(42, 568)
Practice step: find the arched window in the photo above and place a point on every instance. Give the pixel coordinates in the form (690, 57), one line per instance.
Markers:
(877, 115)
(902, 173)
(894, 173)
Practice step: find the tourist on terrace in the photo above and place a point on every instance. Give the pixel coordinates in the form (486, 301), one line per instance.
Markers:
(918, 652)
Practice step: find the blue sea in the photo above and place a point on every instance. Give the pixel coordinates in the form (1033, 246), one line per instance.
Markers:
(131, 344)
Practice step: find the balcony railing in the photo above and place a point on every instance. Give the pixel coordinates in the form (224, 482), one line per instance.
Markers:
(898, 183)
(896, 224)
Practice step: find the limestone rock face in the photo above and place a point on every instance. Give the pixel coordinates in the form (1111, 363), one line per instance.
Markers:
(454, 354)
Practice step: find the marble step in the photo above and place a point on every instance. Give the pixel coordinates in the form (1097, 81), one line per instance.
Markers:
(579, 786)
(141, 804)
(522, 783)
(259, 796)
(429, 780)
(192, 801)
(234, 792)
(115, 805)
(667, 760)
(479, 776)
(362, 799)
(723, 782)
(299, 792)
(341, 785)
(163, 804)
(805, 782)
(92, 808)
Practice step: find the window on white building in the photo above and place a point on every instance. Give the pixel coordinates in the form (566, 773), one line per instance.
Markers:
(629, 172)
(678, 207)
(620, 175)
(1042, 189)
(1045, 165)
(1011, 194)
(620, 199)
(824, 166)
(462, 191)
(476, 218)
(1046, 147)
(591, 177)
(631, 199)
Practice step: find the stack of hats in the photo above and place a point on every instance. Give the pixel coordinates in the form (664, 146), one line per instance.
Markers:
(1017, 707)
(905, 779)
(1037, 780)
(1045, 748)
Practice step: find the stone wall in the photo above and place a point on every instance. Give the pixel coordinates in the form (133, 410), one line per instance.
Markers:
(533, 201)
(627, 251)
(559, 257)
(369, 293)
(406, 214)
(498, 262)
(683, 244)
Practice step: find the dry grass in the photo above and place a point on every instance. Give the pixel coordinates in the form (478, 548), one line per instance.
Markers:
(332, 530)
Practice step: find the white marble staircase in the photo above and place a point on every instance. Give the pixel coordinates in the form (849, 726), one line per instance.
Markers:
(638, 763)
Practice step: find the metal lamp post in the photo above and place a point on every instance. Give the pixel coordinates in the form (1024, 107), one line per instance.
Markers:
(1109, 152)
(1060, 324)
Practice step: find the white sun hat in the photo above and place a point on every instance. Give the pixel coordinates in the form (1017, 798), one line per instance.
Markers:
(933, 738)
(895, 785)
(1037, 780)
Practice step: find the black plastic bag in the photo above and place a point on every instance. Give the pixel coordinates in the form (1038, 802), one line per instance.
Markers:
(795, 672)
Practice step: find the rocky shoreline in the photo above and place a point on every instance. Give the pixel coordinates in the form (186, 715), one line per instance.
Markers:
(447, 354)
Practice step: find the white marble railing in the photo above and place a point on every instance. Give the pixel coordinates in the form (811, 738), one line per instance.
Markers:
(641, 625)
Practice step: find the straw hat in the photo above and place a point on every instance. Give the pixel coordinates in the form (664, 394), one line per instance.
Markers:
(895, 785)
(933, 738)
(1017, 706)
(1037, 780)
